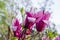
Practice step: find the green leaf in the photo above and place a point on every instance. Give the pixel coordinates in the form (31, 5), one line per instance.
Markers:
(50, 34)
(2, 4)
(14, 38)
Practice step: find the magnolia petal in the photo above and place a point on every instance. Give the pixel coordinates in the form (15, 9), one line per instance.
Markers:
(38, 19)
(56, 38)
(46, 16)
(40, 26)
(45, 38)
(31, 19)
(29, 14)
(38, 14)
(28, 24)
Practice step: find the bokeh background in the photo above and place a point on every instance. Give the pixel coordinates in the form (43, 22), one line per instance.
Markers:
(12, 9)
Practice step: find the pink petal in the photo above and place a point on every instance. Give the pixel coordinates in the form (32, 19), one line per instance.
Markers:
(17, 32)
(15, 22)
(38, 19)
(46, 16)
(38, 14)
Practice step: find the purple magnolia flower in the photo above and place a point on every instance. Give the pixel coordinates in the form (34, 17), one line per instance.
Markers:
(45, 38)
(28, 26)
(41, 21)
(57, 38)
(17, 29)
(39, 18)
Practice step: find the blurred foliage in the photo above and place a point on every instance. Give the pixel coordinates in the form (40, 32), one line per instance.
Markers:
(50, 33)
(3, 13)
(5, 20)
(14, 38)
(2, 4)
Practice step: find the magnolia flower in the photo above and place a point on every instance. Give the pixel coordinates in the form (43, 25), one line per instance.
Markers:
(28, 24)
(39, 18)
(17, 29)
(41, 21)
(45, 38)
(56, 38)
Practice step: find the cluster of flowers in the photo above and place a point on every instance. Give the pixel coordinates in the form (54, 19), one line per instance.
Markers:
(39, 18)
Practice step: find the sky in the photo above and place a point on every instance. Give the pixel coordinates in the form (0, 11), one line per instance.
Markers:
(56, 14)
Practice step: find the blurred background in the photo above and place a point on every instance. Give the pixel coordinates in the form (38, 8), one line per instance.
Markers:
(11, 8)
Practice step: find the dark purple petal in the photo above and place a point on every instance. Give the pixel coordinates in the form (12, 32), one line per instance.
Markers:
(28, 24)
(29, 14)
(40, 26)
